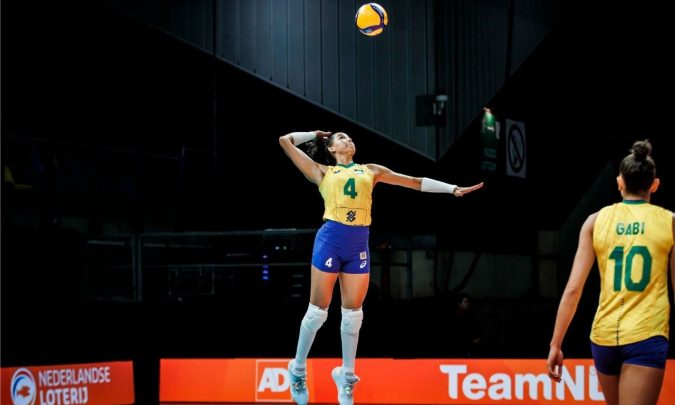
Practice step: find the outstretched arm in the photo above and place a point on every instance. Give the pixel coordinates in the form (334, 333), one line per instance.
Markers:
(312, 170)
(385, 175)
(583, 262)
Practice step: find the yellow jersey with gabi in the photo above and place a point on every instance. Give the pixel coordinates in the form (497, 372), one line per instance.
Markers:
(347, 192)
(632, 242)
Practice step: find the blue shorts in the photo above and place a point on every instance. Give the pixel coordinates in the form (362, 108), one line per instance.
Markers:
(341, 248)
(650, 352)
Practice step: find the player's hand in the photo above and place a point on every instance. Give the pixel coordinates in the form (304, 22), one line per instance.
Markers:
(554, 363)
(322, 134)
(461, 191)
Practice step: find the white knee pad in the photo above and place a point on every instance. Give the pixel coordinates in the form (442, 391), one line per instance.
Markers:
(314, 318)
(351, 320)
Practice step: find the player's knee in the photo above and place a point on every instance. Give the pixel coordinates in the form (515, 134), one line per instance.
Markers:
(314, 318)
(351, 320)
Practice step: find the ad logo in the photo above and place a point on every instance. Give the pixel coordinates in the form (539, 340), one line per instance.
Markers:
(23, 387)
(273, 381)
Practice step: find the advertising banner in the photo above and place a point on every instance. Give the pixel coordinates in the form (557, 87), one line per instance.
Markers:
(391, 381)
(110, 383)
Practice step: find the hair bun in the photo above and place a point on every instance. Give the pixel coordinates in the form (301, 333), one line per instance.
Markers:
(641, 150)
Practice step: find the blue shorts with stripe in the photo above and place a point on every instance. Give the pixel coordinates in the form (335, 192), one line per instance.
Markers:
(341, 248)
(650, 352)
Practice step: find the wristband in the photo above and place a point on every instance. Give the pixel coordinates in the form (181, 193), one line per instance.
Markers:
(435, 186)
(302, 137)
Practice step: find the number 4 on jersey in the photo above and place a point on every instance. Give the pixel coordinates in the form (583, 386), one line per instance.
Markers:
(350, 188)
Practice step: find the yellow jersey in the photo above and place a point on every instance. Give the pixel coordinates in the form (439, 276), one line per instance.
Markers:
(632, 242)
(347, 192)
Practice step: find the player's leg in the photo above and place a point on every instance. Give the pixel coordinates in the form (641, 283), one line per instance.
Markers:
(608, 361)
(326, 265)
(323, 275)
(353, 289)
(321, 292)
(642, 372)
(640, 385)
(610, 387)
(354, 281)
(321, 287)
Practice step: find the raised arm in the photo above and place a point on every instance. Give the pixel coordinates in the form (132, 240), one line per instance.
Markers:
(313, 171)
(385, 175)
(672, 260)
(583, 262)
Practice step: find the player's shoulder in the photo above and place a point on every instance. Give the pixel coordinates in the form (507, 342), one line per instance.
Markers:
(590, 220)
(607, 209)
(663, 210)
(375, 168)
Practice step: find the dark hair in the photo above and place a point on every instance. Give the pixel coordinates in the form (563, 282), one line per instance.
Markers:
(638, 169)
(318, 150)
(460, 297)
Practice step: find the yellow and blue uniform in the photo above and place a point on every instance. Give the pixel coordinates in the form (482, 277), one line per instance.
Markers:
(632, 242)
(342, 242)
(347, 194)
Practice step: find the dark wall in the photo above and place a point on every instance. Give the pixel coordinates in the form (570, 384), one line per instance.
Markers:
(99, 111)
(74, 72)
(136, 100)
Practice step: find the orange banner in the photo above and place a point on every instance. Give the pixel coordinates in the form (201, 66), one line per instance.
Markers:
(94, 383)
(389, 381)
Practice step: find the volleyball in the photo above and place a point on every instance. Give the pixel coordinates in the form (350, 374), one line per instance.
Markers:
(371, 18)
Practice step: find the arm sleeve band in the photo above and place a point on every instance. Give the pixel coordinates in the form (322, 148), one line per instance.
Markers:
(302, 137)
(435, 186)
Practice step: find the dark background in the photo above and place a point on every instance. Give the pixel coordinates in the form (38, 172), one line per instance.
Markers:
(110, 121)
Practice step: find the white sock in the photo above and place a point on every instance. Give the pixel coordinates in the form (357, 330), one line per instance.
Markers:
(311, 322)
(349, 328)
(299, 367)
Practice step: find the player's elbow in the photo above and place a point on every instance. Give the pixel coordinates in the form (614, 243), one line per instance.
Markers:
(572, 292)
